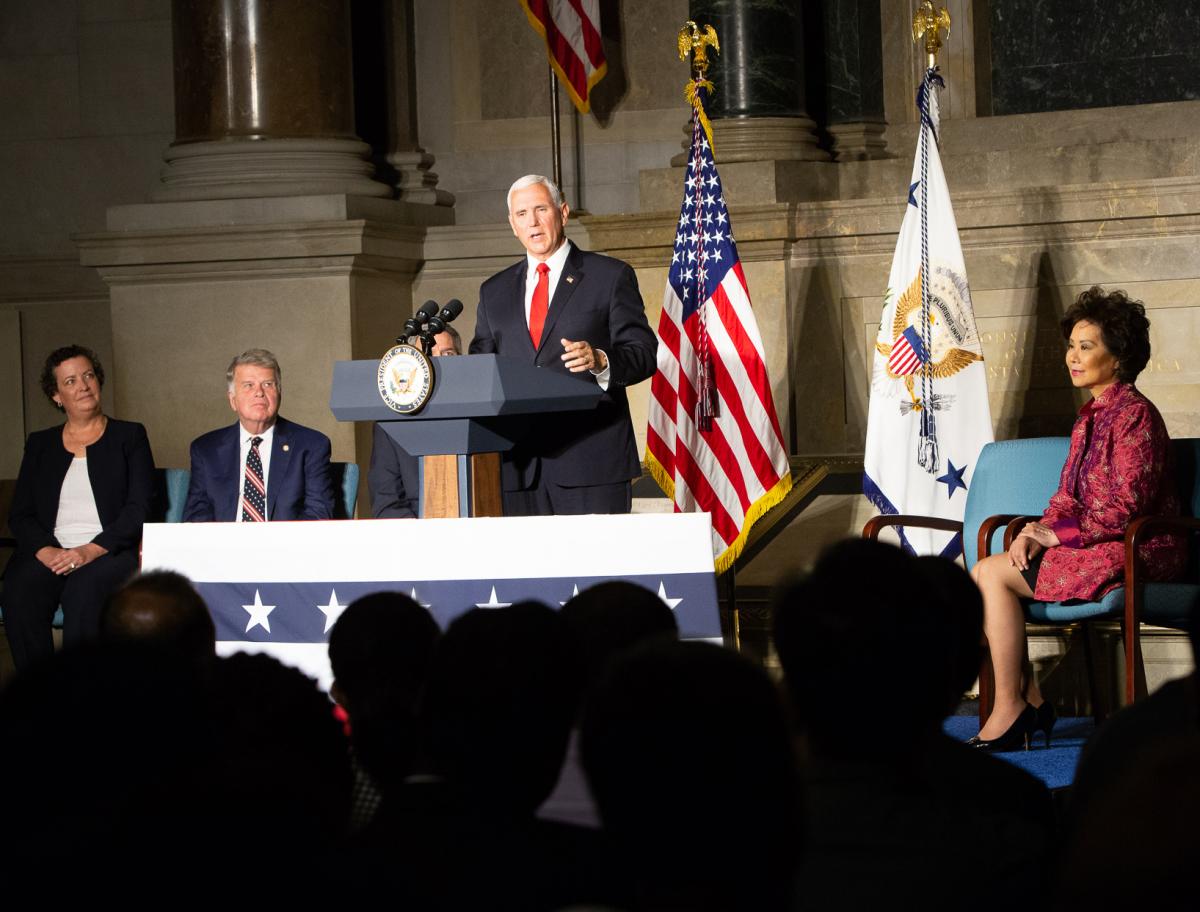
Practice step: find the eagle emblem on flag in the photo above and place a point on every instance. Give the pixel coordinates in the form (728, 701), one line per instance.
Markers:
(953, 343)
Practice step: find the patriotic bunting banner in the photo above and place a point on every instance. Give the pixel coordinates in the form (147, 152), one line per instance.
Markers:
(571, 30)
(713, 443)
(928, 416)
(279, 587)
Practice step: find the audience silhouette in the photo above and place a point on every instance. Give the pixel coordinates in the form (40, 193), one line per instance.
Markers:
(873, 632)
(688, 753)
(380, 651)
(138, 761)
(163, 609)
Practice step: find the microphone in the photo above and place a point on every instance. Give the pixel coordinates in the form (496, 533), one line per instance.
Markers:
(446, 316)
(414, 324)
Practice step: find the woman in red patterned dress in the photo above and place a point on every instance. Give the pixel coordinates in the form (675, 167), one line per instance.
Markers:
(1117, 469)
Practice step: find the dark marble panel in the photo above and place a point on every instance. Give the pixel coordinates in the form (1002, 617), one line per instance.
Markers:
(262, 69)
(760, 70)
(853, 60)
(1050, 55)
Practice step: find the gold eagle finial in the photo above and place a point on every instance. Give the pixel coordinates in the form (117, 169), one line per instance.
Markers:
(692, 39)
(927, 22)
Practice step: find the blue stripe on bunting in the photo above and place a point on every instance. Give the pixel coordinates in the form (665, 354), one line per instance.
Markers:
(297, 616)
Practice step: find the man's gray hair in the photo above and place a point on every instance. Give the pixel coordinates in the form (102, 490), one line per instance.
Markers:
(455, 338)
(259, 357)
(529, 180)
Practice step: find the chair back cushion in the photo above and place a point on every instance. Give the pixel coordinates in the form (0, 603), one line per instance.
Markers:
(1011, 476)
(177, 482)
(1186, 451)
(345, 484)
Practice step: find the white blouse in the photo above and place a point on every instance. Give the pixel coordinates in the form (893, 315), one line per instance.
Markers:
(78, 521)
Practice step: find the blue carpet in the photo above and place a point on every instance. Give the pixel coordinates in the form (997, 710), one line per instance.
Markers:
(1055, 765)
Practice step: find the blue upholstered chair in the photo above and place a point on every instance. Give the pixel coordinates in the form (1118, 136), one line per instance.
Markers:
(345, 483)
(1012, 483)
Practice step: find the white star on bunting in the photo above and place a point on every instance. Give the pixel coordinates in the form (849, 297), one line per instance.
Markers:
(413, 595)
(258, 614)
(662, 594)
(574, 592)
(332, 611)
(492, 602)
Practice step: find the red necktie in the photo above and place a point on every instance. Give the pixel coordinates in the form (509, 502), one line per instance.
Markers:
(539, 305)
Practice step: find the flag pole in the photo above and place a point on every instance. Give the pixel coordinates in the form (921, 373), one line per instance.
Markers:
(555, 139)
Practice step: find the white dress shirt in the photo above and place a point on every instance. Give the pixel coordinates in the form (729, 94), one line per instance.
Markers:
(264, 453)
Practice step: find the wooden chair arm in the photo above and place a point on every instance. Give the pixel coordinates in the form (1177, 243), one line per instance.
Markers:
(987, 528)
(1014, 526)
(877, 524)
(1135, 536)
(1139, 531)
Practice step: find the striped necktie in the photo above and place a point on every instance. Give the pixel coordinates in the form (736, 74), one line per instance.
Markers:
(254, 492)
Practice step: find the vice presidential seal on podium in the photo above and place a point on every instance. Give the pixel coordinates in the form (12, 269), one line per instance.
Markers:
(405, 379)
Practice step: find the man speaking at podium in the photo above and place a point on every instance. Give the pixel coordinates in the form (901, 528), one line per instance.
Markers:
(568, 310)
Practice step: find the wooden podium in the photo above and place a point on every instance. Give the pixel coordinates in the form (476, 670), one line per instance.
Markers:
(481, 406)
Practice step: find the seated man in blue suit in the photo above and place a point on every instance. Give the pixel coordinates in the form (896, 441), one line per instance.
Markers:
(394, 479)
(263, 467)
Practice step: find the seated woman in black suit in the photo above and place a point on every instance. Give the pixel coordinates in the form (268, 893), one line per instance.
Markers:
(83, 492)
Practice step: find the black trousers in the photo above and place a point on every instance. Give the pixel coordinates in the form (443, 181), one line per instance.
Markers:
(32, 593)
(549, 499)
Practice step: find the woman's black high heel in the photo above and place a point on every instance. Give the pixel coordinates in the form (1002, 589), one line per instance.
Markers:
(1046, 717)
(1017, 736)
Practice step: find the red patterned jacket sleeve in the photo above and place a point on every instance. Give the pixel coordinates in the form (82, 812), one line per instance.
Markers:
(1062, 515)
(1128, 482)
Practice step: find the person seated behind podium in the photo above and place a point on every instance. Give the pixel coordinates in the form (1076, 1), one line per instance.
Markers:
(394, 478)
(263, 467)
(84, 489)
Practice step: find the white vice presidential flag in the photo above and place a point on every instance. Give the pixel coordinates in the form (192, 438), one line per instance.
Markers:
(928, 416)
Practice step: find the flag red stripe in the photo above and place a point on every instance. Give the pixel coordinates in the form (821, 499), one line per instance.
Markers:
(756, 368)
(591, 34)
(731, 400)
(706, 497)
(249, 508)
(660, 450)
(560, 49)
(664, 394)
(717, 444)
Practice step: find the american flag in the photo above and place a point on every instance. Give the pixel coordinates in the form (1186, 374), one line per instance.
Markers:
(728, 460)
(571, 29)
(907, 354)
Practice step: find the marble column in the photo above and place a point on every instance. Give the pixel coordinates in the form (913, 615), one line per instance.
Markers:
(415, 181)
(853, 63)
(264, 102)
(758, 108)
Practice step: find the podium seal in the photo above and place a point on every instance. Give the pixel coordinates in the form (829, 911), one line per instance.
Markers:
(405, 379)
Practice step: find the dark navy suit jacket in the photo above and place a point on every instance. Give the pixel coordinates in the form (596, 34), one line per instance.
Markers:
(596, 301)
(299, 485)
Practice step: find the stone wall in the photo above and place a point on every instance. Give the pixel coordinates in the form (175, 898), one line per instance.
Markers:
(484, 111)
(86, 103)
